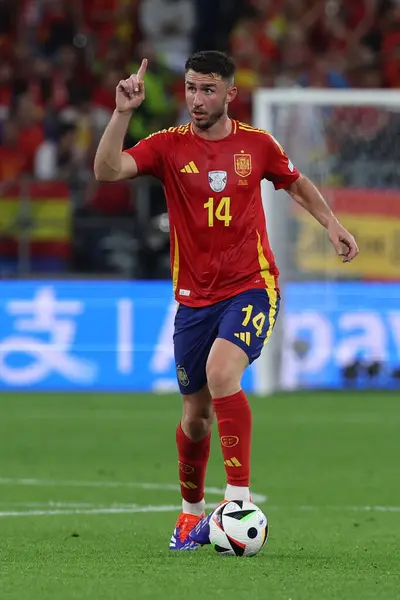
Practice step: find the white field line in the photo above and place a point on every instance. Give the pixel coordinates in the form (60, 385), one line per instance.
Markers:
(51, 505)
(114, 484)
(78, 505)
(130, 509)
(374, 508)
(90, 511)
(88, 508)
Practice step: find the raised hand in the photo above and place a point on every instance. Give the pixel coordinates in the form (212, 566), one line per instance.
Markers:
(130, 92)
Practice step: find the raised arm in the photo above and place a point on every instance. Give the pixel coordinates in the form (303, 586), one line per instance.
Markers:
(110, 163)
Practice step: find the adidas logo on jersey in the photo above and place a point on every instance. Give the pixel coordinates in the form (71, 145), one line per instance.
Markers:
(190, 168)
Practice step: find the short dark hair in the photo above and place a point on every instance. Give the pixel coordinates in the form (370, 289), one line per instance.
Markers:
(211, 61)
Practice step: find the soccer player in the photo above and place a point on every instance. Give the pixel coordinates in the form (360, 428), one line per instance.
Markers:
(224, 275)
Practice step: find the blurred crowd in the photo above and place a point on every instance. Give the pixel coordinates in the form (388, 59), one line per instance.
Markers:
(60, 61)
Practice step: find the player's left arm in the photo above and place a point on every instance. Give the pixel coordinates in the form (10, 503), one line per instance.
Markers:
(305, 193)
(280, 170)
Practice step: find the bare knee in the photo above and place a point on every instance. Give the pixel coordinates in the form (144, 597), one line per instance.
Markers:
(196, 428)
(198, 415)
(222, 380)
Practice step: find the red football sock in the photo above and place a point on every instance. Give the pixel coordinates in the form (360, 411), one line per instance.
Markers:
(193, 459)
(234, 425)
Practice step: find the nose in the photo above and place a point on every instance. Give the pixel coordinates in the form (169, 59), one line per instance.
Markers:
(197, 101)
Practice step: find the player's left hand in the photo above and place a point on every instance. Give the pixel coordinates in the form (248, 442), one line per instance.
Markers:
(343, 242)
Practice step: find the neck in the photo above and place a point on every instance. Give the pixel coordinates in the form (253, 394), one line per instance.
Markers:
(221, 129)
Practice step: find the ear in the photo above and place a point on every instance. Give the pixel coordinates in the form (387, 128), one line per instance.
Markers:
(231, 94)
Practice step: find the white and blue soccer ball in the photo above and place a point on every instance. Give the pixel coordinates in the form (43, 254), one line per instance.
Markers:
(238, 528)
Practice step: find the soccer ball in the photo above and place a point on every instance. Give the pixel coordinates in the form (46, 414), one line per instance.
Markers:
(238, 528)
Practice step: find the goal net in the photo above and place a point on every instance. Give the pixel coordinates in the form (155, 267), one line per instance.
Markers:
(340, 323)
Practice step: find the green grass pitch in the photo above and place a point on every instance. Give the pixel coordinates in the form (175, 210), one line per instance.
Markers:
(77, 520)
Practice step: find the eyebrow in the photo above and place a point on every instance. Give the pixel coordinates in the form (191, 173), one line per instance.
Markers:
(202, 85)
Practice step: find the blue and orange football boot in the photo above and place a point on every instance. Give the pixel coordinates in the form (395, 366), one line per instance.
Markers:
(200, 533)
(180, 539)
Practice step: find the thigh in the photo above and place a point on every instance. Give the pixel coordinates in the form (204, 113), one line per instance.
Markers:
(194, 334)
(249, 319)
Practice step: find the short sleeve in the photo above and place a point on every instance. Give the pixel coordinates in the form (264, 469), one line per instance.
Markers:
(279, 169)
(149, 155)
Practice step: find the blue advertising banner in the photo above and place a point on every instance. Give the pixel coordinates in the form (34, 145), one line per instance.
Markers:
(88, 335)
(341, 334)
(118, 336)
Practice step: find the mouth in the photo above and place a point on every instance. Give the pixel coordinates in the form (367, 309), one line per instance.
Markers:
(198, 114)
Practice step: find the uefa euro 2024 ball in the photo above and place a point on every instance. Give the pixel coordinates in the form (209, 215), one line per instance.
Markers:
(238, 528)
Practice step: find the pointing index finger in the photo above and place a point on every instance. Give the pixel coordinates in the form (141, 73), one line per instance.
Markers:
(142, 70)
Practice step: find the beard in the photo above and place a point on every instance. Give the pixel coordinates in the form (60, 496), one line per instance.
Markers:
(211, 119)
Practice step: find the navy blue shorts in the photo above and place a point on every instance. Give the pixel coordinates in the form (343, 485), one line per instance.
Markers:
(246, 320)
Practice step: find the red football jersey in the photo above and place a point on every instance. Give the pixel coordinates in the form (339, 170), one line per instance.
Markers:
(219, 242)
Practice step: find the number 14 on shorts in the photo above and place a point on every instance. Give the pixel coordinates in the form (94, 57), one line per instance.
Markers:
(258, 320)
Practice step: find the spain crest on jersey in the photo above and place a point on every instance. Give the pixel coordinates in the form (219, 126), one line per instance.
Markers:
(242, 164)
(217, 180)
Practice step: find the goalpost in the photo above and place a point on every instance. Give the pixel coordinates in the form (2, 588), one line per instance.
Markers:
(348, 143)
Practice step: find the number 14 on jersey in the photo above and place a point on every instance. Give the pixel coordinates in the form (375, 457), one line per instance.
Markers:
(220, 211)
